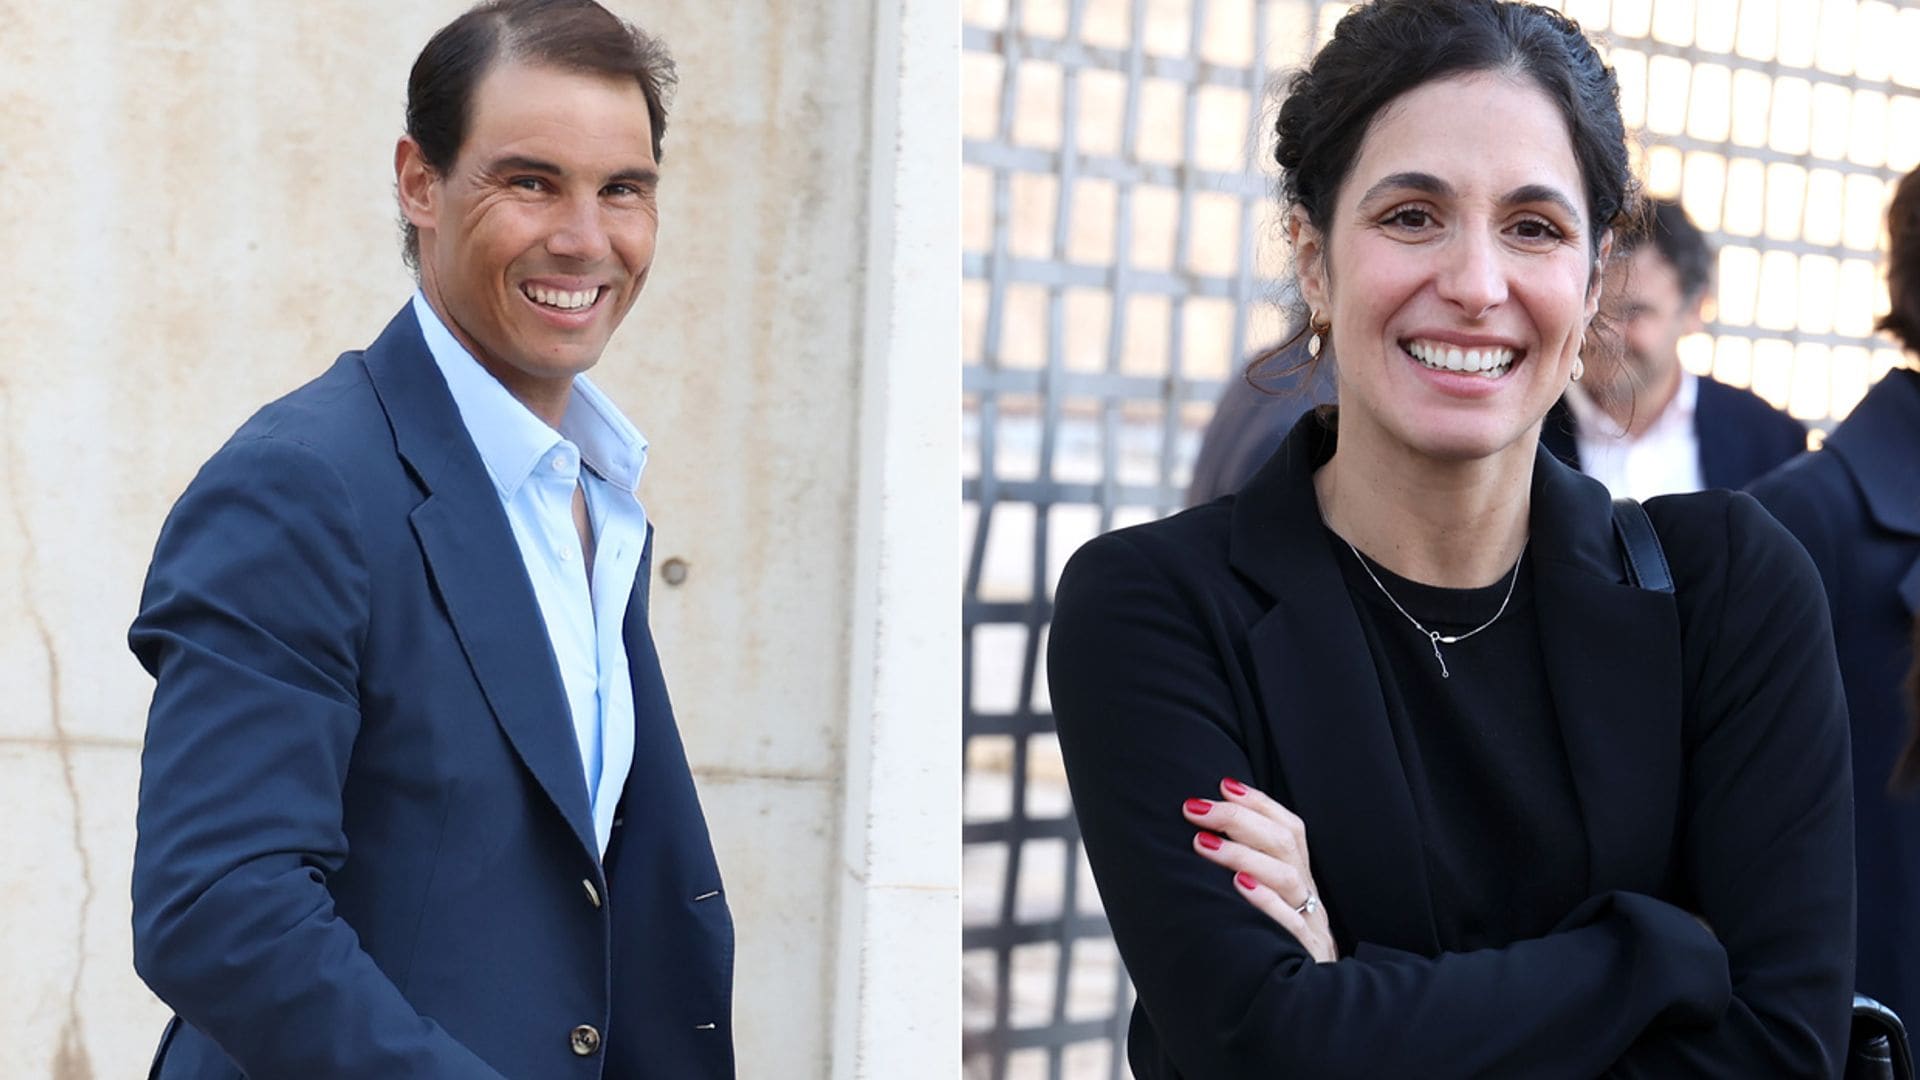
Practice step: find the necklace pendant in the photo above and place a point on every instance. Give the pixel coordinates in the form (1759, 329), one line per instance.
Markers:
(1435, 637)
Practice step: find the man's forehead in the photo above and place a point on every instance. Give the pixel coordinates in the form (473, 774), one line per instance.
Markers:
(532, 106)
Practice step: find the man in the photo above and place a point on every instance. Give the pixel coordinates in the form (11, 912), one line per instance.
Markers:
(1646, 426)
(412, 800)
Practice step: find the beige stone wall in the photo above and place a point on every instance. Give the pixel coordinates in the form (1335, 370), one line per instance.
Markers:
(196, 215)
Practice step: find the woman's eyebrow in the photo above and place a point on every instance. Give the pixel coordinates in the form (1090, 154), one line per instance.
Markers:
(1429, 184)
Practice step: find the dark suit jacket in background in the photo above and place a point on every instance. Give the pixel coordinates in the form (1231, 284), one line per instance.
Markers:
(1252, 420)
(1707, 740)
(1741, 436)
(1856, 506)
(364, 846)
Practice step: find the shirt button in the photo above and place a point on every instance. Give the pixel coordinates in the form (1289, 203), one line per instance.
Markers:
(559, 463)
(593, 894)
(566, 553)
(585, 1040)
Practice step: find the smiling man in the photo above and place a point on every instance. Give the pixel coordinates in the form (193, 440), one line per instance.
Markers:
(412, 801)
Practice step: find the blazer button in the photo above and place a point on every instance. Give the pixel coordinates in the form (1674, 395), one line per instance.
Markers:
(586, 1040)
(593, 894)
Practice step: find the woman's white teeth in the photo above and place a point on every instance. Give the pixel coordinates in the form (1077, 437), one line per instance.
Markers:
(1492, 363)
(560, 298)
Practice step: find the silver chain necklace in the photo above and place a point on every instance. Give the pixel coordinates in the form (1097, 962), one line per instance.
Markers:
(1436, 637)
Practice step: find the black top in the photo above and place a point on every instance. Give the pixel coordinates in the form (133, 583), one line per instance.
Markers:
(1482, 753)
(1704, 732)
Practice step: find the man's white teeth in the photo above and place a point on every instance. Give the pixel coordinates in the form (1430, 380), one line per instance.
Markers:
(1492, 363)
(566, 301)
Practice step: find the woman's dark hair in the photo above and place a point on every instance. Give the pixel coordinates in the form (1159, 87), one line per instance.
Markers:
(1383, 49)
(573, 35)
(1902, 319)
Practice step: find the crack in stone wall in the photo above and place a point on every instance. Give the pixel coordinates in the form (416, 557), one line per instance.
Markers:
(70, 1061)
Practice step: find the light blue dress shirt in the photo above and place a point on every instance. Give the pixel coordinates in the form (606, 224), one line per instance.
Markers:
(534, 470)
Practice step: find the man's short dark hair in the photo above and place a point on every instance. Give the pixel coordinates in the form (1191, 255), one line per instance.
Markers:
(1678, 240)
(573, 35)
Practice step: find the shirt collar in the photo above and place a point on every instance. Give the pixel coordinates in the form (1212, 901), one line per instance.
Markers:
(1588, 416)
(510, 438)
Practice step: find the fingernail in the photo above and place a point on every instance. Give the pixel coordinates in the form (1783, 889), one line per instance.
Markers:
(1198, 807)
(1208, 840)
(1245, 880)
(1233, 787)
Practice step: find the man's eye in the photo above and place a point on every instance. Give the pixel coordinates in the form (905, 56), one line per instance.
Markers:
(526, 183)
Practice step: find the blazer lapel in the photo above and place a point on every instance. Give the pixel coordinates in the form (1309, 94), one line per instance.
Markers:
(476, 569)
(1877, 443)
(1332, 744)
(1612, 655)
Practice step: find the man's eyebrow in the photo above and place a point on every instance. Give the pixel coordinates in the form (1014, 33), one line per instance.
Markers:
(642, 176)
(517, 163)
(639, 175)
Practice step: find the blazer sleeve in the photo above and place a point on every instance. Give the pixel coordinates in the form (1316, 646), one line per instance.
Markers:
(1767, 839)
(252, 621)
(1149, 702)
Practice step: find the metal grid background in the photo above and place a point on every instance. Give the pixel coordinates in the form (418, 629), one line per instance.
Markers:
(1119, 259)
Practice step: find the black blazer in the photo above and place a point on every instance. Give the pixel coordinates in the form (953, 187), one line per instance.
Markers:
(1706, 738)
(1856, 507)
(1741, 436)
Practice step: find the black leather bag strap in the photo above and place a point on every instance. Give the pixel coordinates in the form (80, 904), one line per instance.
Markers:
(1645, 560)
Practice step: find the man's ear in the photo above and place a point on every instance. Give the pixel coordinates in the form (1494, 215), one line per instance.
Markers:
(1599, 275)
(1309, 258)
(418, 184)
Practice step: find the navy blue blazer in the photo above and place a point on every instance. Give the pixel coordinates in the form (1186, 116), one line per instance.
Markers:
(364, 846)
(1741, 436)
(1856, 506)
(1705, 734)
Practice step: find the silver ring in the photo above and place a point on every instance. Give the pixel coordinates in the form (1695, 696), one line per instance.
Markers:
(1308, 906)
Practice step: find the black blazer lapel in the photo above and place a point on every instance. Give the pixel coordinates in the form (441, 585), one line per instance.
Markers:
(1878, 443)
(1332, 744)
(1612, 654)
(476, 569)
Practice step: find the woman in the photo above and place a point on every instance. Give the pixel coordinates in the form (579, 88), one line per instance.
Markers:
(1856, 507)
(1558, 825)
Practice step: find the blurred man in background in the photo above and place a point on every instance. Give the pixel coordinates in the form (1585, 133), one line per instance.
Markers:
(1643, 424)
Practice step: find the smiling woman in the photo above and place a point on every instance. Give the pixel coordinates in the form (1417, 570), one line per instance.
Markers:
(1566, 818)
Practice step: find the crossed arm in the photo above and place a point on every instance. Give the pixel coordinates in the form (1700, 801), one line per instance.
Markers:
(1149, 708)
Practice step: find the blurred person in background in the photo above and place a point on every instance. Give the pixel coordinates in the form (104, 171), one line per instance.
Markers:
(1255, 412)
(1387, 765)
(1641, 423)
(1855, 505)
(412, 799)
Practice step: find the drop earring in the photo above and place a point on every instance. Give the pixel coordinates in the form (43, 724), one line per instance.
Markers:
(1319, 329)
(1579, 368)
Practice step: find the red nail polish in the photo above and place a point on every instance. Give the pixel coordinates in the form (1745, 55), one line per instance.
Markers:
(1198, 807)
(1208, 840)
(1245, 880)
(1233, 787)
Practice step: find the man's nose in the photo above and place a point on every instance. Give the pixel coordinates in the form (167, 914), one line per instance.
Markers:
(1473, 277)
(580, 232)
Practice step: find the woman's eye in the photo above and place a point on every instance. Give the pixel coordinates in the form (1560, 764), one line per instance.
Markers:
(1410, 217)
(1533, 229)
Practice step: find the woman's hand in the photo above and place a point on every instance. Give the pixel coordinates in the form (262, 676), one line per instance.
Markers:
(1266, 844)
